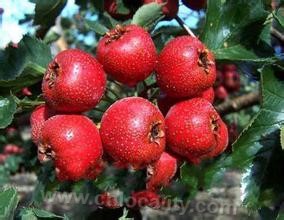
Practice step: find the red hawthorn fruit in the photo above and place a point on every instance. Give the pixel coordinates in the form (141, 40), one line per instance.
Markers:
(132, 132)
(26, 91)
(232, 81)
(37, 119)
(195, 4)
(12, 149)
(185, 68)
(229, 67)
(165, 103)
(161, 172)
(74, 143)
(111, 7)
(195, 130)
(128, 54)
(221, 93)
(146, 198)
(170, 9)
(3, 158)
(74, 82)
(108, 201)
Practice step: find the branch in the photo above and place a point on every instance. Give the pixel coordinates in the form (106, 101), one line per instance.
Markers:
(277, 34)
(183, 25)
(238, 103)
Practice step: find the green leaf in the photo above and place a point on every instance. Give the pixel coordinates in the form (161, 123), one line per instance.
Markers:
(44, 214)
(240, 53)
(258, 150)
(279, 16)
(148, 15)
(282, 137)
(47, 11)
(33, 213)
(27, 214)
(121, 8)
(229, 22)
(7, 110)
(96, 27)
(8, 203)
(24, 65)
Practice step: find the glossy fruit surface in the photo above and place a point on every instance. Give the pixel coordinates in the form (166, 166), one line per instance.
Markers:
(195, 130)
(74, 82)
(133, 132)
(74, 143)
(128, 54)
(146, 198)
(161, 172)
(185, 68)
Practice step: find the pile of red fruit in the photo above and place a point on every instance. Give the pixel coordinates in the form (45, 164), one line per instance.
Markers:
(228, 81)
(9, 150)
(133, 131)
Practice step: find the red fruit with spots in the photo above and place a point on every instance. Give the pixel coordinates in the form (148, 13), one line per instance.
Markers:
(185, 68)
(37, 119)
(170, 9)
(195, 130)
(161, 172)
(111, 7)
(146, 198)
(195, 4)
(221, 93)
(128, 54)
(165, 102)
(108, 201)
(74, 143)
(11, 149)
(232, 81)
(133, 132)
(74, 82)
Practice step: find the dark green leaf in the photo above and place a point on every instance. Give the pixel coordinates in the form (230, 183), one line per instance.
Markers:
(8, 203)
(279, 16)
(7, 110)
(121, 8)
(148, 15)
(227, 22)
(47, 11)
(24, 65)
(96, 27)
(44, 214)
(240, 53)
(27, 214)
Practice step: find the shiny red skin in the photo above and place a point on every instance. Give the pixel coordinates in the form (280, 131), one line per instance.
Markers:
(79, 83)
(232, 81)
(170, 9)
(111, 7)
(195, 4)
(75, 146)
(178, 73)
(39, 115)
(129, 59)
(126, 132)
(12, 149)
(146, 198)
(190, 130)
(165, 103)
(161, 172)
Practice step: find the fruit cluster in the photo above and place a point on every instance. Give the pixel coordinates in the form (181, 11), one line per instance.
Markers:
(133, 131)
(228, 81)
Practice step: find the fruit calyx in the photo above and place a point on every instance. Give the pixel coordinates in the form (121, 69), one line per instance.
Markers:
(45, 153)
(156, 132)
(115, 34)
(52, 73)
(204, 61)
(214, 124)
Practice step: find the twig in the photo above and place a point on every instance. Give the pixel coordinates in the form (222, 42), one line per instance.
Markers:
(238, 103)
(183, 25)
(277, 34)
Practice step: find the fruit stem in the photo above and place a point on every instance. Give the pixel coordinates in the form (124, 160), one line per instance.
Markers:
(113, 92)
(183, 25)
